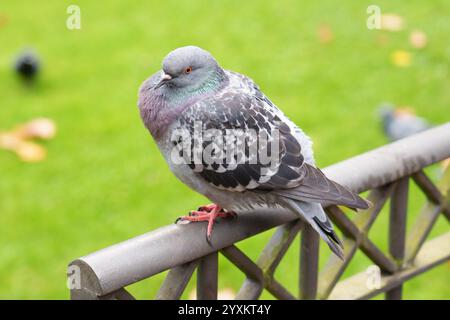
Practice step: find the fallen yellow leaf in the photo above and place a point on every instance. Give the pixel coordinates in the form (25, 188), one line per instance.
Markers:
(30, 151)
(401, 58)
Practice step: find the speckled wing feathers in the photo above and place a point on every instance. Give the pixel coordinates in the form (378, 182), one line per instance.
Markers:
(243, 106)
(238, 111)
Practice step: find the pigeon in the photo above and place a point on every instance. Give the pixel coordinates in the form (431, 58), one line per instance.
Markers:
(27, 65)
(194, 104)
(401, 122)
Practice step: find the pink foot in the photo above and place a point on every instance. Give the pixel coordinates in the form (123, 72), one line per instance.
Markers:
(208, 213)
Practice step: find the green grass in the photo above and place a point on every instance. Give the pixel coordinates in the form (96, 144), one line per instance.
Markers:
(104, 180)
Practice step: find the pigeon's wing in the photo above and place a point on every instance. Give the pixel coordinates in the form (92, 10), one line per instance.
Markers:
(316, 187)
(269, 160)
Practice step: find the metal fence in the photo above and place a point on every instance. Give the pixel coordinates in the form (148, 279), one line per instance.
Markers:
(385, 172)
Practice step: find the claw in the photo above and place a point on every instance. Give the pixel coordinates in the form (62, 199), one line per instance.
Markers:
(181, 220)
(208, 213)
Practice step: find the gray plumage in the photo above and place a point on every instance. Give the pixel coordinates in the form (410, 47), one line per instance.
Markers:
(400, 123)
(192, 88)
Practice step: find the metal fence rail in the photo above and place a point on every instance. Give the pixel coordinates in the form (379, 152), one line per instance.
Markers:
(385, 171)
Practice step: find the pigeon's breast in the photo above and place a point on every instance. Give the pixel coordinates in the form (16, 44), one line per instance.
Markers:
(176, 164)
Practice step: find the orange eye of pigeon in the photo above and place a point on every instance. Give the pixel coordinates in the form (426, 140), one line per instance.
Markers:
(188, 70)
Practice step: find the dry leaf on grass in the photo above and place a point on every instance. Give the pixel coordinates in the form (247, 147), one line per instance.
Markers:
(418, 39)
(222, 294)
(401, 58)
(382, 39)
(18, 140)
(325, 34)
(9, 141)
(41, 128)
(30, 151)
(392, 22)
(3, 20)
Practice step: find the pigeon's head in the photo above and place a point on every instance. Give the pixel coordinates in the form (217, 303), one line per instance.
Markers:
(386, 114)
(386, 111)
(189, 68)
(27, 65)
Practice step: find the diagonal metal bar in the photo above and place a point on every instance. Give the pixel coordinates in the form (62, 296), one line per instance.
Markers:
(433, 253)
(397, 229)
(121, 294)
(277, 290)
(365, 244)
(436, 194)
(429, 189)
(353, 232)
(429, 213)
(251, 291)
(419, 232)
(207, 277)
(335, 267)
(176, 281)
(270, 257)
(447, 215)
(365, 219)
(377, 256)
(344, 224)
(244, 263)
(255, 277)
(355, 236)
(277, 246)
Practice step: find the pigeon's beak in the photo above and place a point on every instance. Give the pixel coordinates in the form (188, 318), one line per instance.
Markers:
(165, 77)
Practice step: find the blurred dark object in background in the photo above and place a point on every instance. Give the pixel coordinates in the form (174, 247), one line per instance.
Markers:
(27, 65)
(399, 123)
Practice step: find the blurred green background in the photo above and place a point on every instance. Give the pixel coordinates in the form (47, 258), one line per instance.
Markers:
(104, 180)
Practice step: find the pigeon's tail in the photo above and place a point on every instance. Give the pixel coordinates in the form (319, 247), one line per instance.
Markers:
(314, 214)
(317, 188)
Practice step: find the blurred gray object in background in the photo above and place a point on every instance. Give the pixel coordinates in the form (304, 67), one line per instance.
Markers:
(399, 123)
